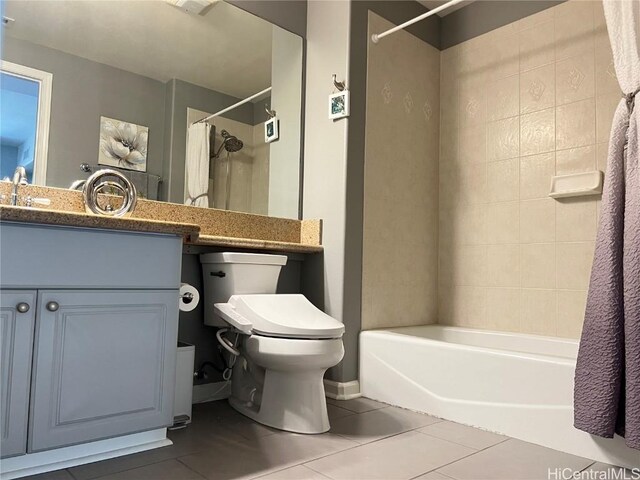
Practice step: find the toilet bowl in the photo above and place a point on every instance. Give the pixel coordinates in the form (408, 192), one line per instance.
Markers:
(285, 344)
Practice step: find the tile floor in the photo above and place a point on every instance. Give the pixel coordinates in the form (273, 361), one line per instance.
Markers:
(368, 440)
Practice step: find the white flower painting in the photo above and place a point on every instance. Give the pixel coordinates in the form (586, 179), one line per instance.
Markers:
(123, 144)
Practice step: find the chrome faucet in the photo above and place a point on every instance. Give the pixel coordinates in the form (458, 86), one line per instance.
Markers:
(77, 185)
(19, 178)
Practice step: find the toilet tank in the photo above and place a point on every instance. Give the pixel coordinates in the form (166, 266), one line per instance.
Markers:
(232, 273)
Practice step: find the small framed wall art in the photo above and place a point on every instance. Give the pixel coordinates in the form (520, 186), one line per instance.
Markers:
(271, 130)
(339, 105)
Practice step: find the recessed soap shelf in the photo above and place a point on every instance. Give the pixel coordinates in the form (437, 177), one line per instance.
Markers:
(576, 185)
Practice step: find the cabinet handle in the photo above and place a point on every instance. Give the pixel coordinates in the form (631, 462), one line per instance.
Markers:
(52, 306)
(23, 307)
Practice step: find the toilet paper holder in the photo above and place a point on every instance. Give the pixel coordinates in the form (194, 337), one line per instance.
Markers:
(187, 297)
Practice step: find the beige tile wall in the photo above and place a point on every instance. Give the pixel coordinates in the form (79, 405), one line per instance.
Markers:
(401, 181)
(518, 105)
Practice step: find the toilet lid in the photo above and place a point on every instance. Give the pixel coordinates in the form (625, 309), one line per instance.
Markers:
(289, 316)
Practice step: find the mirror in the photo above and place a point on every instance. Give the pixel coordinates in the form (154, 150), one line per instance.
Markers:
(197, 102)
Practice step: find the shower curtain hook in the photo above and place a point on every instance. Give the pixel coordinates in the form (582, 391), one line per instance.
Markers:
(270, 113)
(339, 85)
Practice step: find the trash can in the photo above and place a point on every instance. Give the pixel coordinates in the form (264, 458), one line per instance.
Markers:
(184, 385)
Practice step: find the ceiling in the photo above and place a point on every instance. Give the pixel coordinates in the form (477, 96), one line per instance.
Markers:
(226, 49)
(431, 4)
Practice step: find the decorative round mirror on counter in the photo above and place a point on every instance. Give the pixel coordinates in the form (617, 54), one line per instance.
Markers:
(108, 192)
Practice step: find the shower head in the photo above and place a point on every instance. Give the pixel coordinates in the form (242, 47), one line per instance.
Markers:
(230, 143)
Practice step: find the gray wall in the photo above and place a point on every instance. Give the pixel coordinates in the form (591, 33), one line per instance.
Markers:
(397, 12)
(83, 91)
(191, 327)
(286, 95)
(325, 161)
(181, 95)
(288, 14)
(259, 113)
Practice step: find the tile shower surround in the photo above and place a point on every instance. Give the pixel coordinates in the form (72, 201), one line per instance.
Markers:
(520, 104)
(400, 253)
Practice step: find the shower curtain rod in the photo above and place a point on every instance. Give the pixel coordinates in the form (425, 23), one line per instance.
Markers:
(231, 107)
(377, 36)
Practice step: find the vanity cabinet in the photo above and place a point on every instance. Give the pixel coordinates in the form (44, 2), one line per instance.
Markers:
(103, 365)
(17, 315)
(93, 356)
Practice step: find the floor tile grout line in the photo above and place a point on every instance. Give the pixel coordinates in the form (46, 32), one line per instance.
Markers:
(589, 466)
(392, 435)
(177, 459)
(132, 468)
(462, 444)
(458, 460)
(360, 413)
(372, 442)
(434, 471)
(116, 472)
(68, 470)
(401, 433)
(312, 470)
(287, 468)
(304, 462)
(123, 470)
(342, 408)
(349, 413)
(351, 448)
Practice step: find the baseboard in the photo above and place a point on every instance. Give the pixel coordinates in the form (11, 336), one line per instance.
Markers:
(210, 392)
(59, 458)
(342, 390)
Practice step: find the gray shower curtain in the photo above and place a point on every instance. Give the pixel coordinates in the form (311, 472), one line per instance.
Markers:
(607, 380)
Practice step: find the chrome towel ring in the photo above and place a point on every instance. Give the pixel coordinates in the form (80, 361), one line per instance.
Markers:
(109, 182)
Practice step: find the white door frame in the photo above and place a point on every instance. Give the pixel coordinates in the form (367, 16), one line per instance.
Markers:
(45, 81)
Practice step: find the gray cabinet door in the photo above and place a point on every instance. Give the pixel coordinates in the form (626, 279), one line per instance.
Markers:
(17, 346)
(104, 365)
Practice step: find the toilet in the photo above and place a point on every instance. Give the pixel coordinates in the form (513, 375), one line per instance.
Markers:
(283, 344)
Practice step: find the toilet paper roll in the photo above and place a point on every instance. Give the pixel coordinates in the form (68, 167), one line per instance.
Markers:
(189, 297)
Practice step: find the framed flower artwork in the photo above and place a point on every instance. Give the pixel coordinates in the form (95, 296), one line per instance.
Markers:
(123, 144)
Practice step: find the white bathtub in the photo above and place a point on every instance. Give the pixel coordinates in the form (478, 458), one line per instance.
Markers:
(514, 384)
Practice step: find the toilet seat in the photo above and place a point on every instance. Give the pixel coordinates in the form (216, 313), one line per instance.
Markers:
(286, 316)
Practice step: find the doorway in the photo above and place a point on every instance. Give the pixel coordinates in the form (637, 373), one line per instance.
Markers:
(25, 105)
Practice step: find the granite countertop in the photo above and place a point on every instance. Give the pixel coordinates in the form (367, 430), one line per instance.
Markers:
(189, 231)
(232, 242)
(76, 219)
(197, 226)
